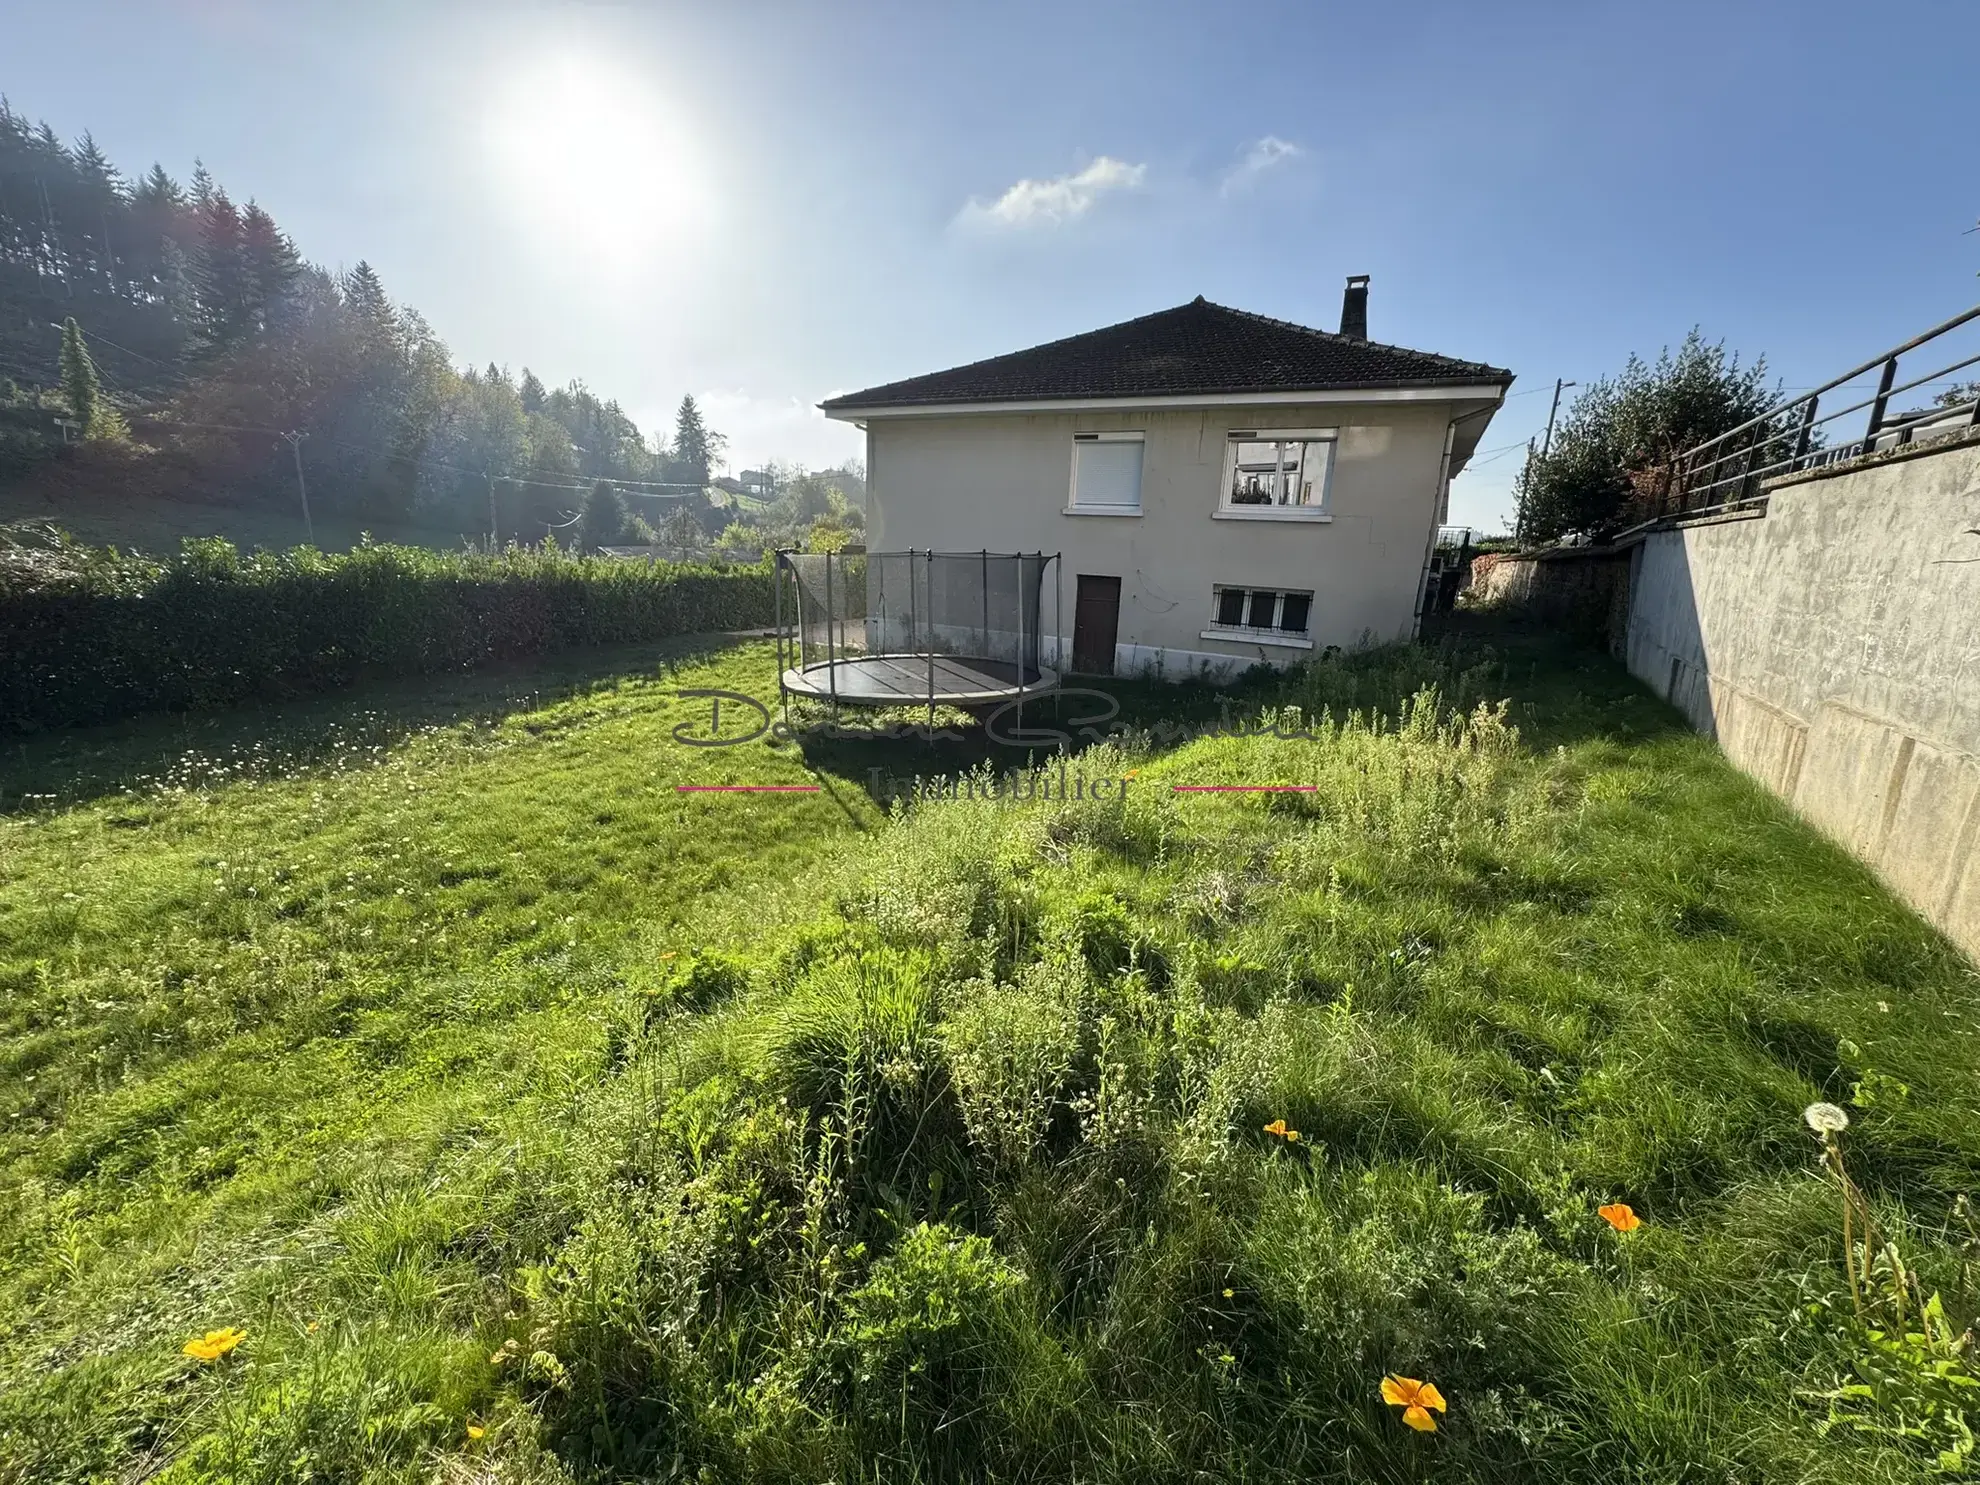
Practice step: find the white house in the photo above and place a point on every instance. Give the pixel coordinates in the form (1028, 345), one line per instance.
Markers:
(1224, 488)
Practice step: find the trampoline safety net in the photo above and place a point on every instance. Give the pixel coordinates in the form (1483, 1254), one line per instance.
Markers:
(887, 628)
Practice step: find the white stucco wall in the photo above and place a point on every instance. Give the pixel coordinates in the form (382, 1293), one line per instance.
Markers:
(1002, 481)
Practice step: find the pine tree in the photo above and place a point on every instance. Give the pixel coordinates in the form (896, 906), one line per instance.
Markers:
(157, 188)
(270, 264)
(220, 271)
(99, 419)
(533, 396)
(175, 284)
(101, 194)
(98, 175)
(364, 297)
(602, 519)
(691, 441)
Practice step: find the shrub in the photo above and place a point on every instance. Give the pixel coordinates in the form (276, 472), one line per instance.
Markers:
(89, 635)
(855, 1046)
(923, 1294)
(1012, 1050)
(920, 1332)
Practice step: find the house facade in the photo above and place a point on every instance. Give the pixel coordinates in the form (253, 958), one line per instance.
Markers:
(1223, 488)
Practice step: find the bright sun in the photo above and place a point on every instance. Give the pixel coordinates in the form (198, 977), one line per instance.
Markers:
(591, 156)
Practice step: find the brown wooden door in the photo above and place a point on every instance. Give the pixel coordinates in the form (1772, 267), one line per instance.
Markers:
(1096, 624)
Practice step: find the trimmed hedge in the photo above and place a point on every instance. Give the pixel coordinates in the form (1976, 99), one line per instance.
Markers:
(90, 634)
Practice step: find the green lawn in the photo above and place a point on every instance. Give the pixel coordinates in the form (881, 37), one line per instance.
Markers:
(538, 1122)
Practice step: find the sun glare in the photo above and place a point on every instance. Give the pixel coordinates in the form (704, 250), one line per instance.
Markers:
(593, 157)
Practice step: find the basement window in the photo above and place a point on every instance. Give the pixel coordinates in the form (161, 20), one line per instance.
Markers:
(1269, 613)
(1281, 470)
(1106, 474)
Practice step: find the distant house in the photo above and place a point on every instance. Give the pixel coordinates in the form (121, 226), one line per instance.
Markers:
(757, 482)
(1225, 488)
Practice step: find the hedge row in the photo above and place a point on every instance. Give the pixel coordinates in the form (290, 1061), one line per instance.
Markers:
(89, 634)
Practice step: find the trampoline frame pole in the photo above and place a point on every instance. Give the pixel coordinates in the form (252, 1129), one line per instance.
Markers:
(783, 651)
(790, 651)
(1020, 640)
(1059, 612)
(929, 583)
(986, 600)
(831, 663)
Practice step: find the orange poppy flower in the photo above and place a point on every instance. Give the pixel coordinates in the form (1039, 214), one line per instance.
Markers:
(1278, 1127)
(1619, 1216)
(1416, 1399)
(214, 1344)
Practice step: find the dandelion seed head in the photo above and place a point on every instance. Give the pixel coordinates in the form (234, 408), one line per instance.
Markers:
(1825, 1118)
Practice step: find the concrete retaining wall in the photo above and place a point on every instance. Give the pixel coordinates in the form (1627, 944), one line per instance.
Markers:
(1832, 647)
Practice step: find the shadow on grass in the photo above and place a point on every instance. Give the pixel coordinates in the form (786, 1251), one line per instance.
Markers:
(78, 765)
(1561, 691)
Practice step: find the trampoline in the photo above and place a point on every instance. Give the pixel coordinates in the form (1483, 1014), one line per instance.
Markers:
(915, 628)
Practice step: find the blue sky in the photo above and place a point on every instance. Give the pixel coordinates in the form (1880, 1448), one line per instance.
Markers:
(765, 204)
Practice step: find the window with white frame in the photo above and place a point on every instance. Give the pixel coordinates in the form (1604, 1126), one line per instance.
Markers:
(1107, 473)
(1282, 469)
(1261, 611)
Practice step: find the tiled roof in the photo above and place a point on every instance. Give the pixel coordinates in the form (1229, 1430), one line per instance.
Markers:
(1195, 348)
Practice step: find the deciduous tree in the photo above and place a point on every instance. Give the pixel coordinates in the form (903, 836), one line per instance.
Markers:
(1620, 434)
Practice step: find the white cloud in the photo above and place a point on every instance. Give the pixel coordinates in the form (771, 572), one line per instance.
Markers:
(1032, 203)
(1260, 156)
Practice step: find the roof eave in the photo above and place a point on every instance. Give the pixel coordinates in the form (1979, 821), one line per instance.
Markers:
(1490, 385)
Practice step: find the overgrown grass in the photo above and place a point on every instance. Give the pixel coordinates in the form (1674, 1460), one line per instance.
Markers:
(488, 1083)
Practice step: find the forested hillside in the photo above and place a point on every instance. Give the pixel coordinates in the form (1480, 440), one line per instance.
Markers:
(215, 338)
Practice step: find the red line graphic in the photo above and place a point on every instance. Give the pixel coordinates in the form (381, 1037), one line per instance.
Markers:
(746, 788)
(1243, 788)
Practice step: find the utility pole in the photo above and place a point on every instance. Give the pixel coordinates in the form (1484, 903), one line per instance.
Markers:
(1548, 442)
(1525, 488)
(294, 440)
(494, 527)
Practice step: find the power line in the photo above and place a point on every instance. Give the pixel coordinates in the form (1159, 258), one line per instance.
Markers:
(355, 447)
(216, 427)
(140, 355)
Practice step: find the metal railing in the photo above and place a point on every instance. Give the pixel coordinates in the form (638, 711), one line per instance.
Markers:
(1726, 473)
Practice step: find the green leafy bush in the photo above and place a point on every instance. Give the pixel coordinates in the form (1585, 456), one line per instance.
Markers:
(90, 635)
(922, 1310)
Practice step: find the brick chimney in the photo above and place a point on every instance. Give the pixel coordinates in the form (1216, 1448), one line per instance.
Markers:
(1354, 308)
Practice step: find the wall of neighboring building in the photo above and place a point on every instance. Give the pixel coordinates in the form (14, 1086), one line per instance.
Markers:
(1003, 481)
(1833, 649)
(1585, 589)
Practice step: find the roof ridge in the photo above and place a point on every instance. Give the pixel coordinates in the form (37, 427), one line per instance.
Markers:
(1335, 335)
